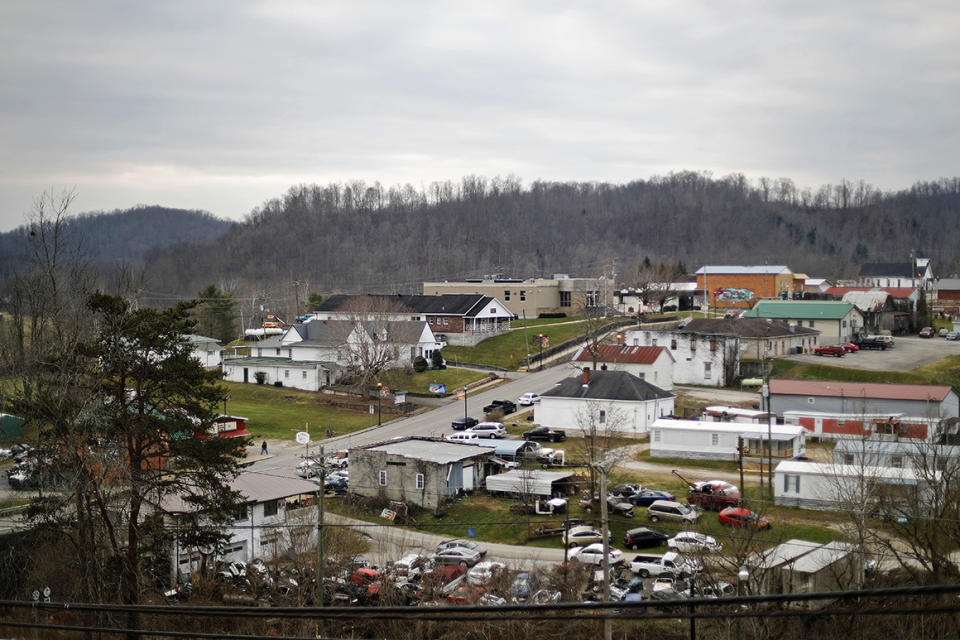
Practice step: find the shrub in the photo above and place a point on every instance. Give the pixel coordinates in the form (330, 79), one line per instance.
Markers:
(437, 360)
(419, 364)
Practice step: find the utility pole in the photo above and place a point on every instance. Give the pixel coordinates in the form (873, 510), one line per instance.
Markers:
(607, 626)
(740, 457)
(323, 477)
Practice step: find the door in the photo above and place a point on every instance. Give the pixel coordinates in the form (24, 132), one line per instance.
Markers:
(469, 478)
(246, 375)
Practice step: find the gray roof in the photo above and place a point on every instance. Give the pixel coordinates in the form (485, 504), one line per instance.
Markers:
(195, 339)
(745, 327)
(509, 447)
(822, 557)
(782, 553)
(253, 487)
(888, 446)
(437, 451)
(448, 304)
(284, 362)
(533, 475)
(948, 284)
(762, 269)
(607, 385)
(894, 269)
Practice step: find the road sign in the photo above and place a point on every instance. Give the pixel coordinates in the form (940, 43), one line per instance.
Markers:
(303, 437)
(386, 514)
(399, 397)
(373, 409)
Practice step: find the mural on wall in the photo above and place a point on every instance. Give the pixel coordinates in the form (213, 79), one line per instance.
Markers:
(733, 295)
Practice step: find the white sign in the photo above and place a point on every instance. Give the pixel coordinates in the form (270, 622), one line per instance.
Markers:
(388, 515)
(303, 437)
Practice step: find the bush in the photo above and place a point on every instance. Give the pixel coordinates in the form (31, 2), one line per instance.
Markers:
(260, 377)
(419, 364)
(437, 360)
(552, 315)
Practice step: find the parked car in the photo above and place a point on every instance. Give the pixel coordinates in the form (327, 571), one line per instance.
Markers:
(484, 572)
(582, 536)
(625, 490)
(463, 423)
(830, 350)
(615, 505)
(643, 538)
(648, 496)
(849, 347)
(694, 541)
(871, 343)
(506, 406)
(953, 335)
(463, 436)
(546, 434)
(926, 332)
(461, 556)
(943, 332)
(308, 468)
(593, 554)
(410, 566)
(740, 518)
(670, 564)
(675, 511)
(460, 542)
(488, 430)
(528, 399)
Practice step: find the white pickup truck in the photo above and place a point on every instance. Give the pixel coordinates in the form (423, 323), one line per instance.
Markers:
(671, 565)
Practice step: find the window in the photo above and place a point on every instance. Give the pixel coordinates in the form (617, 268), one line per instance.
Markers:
(786, 483)
(642, 375)
(656, 435)
(707, 367)
(799, 323)
(564, 298)
(592, 298)
(270, 508)
(673, 344)
(693, 346)
(286, 373)
(812, 324)
(304, 376)
(811, 400)
(446, 321)
(848, 458)
(420, 483)
(429, 319)
(506, 295)
(523, 294)
(653, 342)
(240, 513)
(896, 461)
(844, 324)
(714, 439)
(713, 345)
(278, 352)
(603, 416)
(383, 478)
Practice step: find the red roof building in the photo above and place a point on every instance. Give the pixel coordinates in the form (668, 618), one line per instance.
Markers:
(653, 364)
(928, 401)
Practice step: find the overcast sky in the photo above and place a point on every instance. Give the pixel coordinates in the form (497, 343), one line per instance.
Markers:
(222, 105)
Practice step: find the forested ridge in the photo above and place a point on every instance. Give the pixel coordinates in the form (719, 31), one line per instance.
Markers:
(365, 237)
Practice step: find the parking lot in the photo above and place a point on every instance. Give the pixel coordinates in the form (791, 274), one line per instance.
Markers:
(908, 353)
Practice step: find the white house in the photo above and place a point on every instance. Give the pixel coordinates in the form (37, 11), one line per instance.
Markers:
(701, 359)
(718, 440)
(815, 485)
(316, 353)
(206, 350)
(653, 364)
(603, 400)
(278, 515)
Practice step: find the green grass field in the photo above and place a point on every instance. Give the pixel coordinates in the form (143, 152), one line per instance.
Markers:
(945, 371)
(509, 349)
(420, 382)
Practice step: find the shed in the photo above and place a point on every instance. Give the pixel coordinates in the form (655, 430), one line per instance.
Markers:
(804, 566)
(510, 449)
(531, 482)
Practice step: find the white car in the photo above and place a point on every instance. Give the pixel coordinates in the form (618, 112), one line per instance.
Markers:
(693, 542)
(462, 436)
(483, 572)
(593, 554)
(308, 468)
(488, 430)
(528, 399)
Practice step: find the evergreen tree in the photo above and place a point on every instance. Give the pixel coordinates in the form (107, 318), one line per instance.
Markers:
(215, 315)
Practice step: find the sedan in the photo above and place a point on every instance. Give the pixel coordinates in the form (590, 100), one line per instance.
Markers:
(459, 556)
(593, 554)
(830, 350)
(740, 518)
(694, 542)
(528, 399)
(463, 423)
(953, 335)
(460, 542)
(849, 347)
(646, 497)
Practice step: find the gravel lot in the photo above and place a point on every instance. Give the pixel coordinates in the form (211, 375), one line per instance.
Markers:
(908, 353)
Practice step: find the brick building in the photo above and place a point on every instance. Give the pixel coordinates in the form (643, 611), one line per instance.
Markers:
(740, 287)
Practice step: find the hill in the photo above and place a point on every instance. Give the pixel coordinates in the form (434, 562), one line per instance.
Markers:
(124, 235)
(364, 237)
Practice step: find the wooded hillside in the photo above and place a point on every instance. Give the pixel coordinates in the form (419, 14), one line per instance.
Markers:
(364, 237)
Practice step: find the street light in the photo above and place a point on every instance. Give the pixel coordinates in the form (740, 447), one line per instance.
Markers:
(540, 340)
(742, 576)
(379, 396)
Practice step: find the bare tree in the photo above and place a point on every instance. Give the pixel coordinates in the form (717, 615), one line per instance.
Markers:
(376, 329)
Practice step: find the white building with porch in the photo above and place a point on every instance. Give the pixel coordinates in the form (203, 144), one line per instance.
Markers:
(699, 440)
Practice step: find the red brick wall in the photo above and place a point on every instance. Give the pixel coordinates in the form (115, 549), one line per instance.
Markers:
(436, 324)
(762, 286)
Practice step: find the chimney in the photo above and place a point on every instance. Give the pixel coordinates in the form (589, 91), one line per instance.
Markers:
(586, 376)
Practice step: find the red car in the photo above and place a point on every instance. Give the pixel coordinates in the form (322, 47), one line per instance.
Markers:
(830, 350)
(849, 347)
(926, 332)
(740, 518)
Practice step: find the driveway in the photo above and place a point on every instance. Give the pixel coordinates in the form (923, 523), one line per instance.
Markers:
(908, 353)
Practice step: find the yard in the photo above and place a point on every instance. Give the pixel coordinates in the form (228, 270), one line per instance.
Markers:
(452, 377)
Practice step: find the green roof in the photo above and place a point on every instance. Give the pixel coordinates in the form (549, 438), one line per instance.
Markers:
(799, 309)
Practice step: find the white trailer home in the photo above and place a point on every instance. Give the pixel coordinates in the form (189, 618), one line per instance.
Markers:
(718, 440)
(815, 485)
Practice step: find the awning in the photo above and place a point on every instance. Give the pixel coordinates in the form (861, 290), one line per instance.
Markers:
(780, 437)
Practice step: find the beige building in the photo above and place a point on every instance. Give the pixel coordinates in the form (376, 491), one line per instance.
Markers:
(533, 296)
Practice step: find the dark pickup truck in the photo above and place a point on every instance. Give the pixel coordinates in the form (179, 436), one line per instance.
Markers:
(544, 433)
(871, 343)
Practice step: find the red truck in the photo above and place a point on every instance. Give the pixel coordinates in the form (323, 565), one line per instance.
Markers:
(712, 495)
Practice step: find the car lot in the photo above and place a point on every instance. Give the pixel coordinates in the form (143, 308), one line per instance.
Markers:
(908, 352)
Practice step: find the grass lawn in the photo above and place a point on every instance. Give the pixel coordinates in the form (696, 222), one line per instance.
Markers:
(420, 382)
(508, 349)
(279, 412)
(945, 371)
(718, 465)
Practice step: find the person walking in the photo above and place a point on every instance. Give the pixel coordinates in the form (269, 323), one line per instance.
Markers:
(263, 448)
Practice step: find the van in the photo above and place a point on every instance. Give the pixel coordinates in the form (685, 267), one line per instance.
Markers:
(669, 510)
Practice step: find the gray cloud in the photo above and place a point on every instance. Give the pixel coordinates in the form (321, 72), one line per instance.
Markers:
(223, 105)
